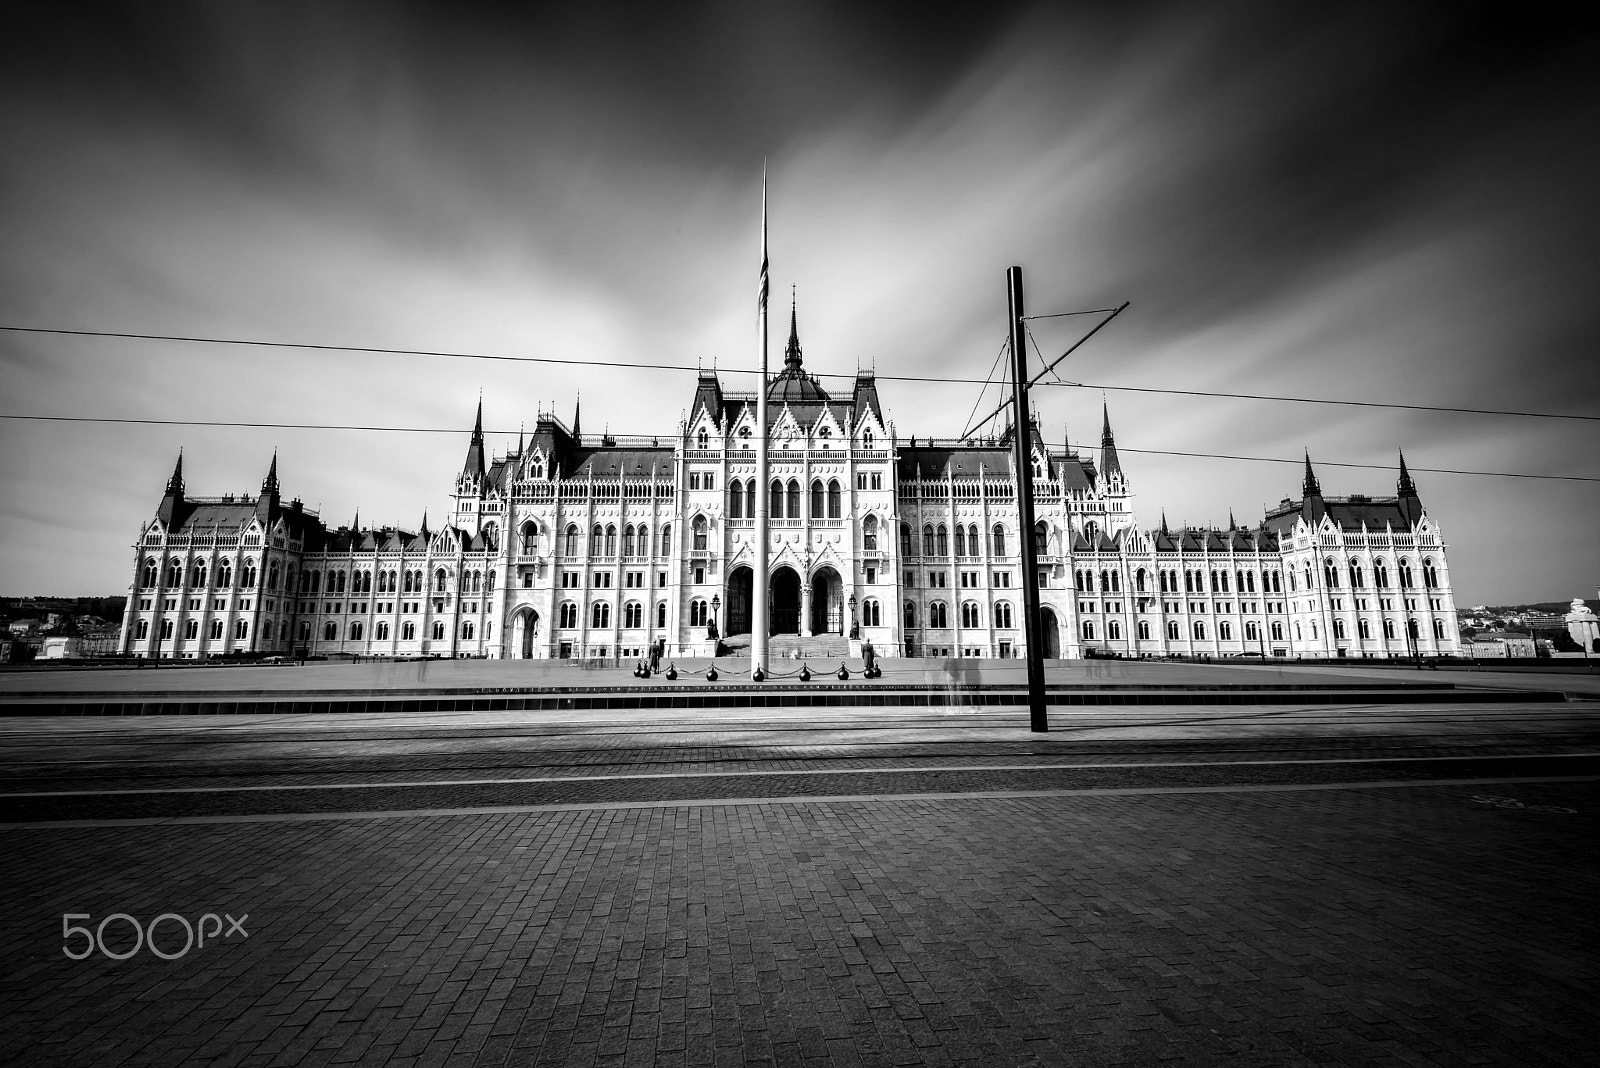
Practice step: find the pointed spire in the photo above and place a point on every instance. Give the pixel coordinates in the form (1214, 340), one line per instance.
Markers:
(473, 467)
(521, 427)
(577, 419)
(1407, 487)
(269, 485)
(1231, 524)
(791, 355)
(1110, 464)
(355, 524)
(424, 524)
(1311, 487)
(1164, 529)
(175, 483)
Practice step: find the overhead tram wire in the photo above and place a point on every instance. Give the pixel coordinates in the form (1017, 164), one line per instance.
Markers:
(1050, 367)
(998, 356)
(934, 379)
(668, 438)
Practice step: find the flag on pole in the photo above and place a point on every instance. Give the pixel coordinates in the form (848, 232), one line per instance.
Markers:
(764, 286)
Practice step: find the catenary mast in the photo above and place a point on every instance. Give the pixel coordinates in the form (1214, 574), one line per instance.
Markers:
(758, 592)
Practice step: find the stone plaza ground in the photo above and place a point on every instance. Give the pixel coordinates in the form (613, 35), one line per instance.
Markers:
(1305, 883)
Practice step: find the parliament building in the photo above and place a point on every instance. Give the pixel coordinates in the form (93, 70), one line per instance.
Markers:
(584, 546)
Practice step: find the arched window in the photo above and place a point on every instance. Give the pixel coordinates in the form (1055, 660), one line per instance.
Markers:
(438, 630)
(1216, 585)
(819, 499)
(489, 583)
(225, 575)
(1438, 630)
(792, 501)
(699, 531)
(750, 499)
(1338, 629)
(175, 574)
(869, 534)
(910, 615)
(866, 438)
(1356, 579)
(356, 631)
(1430, 575)
(1380, 574)
(970, 615)
(961, 540)
(871, 614)
(191, 628)
(644, 540)
(666, 539)
(698, 612)
(599, 615)
(1299, 634)
(1188, 581)
(833, 498)
(736, 500)
(1163, 576)
(1172, 629)
(1406, 579)
(381, 630)
(633, 614)
(142, 630)
(1091, 532)
(943, 538)
(567, 616)
(1330, 573)
(1364, 629)
(1225, 631)
(1139, 580)
(247, 575)
(997, 540)
(1277, 582)
(937, 617)
(908, 544)
(611, 539)
(597, 536)
(1251, 631)
(530, 539)
(627, 540)
(928, 545)
(1105, 582)
(330, 631)
(973, 543)
(1002, 615)
(703, 439)
(1144, 630)
(407, 582)
(441, 581)
(216, 628)
(408, 632)
(1388, 629)
(1114, 630)
(366, 582)
(775, 500)
(197, 576)
(147, 578)
(1225, 582)
(1041, 538)
(661, 613)
(1200, 630)
(571, 548)
(1277, 631)
(1088, 629)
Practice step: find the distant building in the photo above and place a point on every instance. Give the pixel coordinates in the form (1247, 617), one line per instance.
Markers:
(577, 545)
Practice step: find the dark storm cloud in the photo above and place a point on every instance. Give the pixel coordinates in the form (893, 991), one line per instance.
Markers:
(1367, 201)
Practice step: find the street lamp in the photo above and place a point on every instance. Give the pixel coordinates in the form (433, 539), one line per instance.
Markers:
(855, 629)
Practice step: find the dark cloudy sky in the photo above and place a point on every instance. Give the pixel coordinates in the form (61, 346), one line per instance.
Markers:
(1389, 202)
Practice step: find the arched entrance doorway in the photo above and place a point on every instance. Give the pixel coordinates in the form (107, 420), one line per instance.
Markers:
(740, 585)
(785, 601)
(1050, 634)
(525, 631)
(827, 602)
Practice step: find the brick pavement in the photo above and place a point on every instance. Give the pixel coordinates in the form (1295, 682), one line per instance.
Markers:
(1409, 925)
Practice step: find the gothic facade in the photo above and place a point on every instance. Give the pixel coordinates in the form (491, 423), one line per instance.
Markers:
(584, 546)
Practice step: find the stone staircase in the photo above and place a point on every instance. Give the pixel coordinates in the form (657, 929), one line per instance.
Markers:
(784, 646)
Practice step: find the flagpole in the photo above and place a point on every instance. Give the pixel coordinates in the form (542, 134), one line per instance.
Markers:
(758, 593)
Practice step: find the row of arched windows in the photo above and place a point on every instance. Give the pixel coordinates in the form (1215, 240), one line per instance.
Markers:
(783, 501)
(199, 572)
(603, 540)
(1213, 581)
(936, 540)
(567, 615)
(971, 615)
